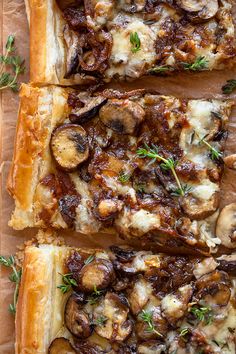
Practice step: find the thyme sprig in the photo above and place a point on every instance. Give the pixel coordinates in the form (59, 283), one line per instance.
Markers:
(199, 64)
(68, 283)
(95, 295)
(160, 69)
(167, 164)
(7, 79)
(89, 259)
(203, 313)
(15, 277)
(214, 153)
(135, 41)
(124, 177)
(147, 317)
(229, 87)
(184, 331)
(100, 321)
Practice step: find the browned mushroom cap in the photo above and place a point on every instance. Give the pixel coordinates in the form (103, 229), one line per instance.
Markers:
(160, 325)
(202, 9)
(69, 146)
(214, 288)
(61, 346)
(122, 116)
(198, 209)
(230, 161)
(151, 347)
(88, 111)
(98, 274)
(117, 326)
(72, 58)
(226, 226)
(77, 320)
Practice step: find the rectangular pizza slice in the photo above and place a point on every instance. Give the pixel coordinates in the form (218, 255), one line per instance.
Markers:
(99, 40)
(145, 165)
(124, 301)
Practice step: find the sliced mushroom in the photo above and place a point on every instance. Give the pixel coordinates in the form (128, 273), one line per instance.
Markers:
(191, 5)
(214, 288)
(152, 347)
(99, 273)
(201, 9)
(107, 208)
(226, 226)
(69, 146)
(88, 111)
(230, 161)
(122, 116)
(76, 320)
(61, 346)
(117, 326)
(175, 305)
(160, 326)
(227, 264)
(197, 208)
(73, 51)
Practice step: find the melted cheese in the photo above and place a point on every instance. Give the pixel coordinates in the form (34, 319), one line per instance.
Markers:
(205, 190)
(123, 61)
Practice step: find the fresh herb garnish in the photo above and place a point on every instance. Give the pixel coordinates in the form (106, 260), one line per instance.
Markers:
(214, 153)
(15, 277)
(135, 41)
(7, 79)
(160, 69)
(100, 321)
(95, 295)
(89, 259)
(199, 64)
(229, 87)
(140, 187)
(202, 314)
(147, 317)
(167, 164)
(68, 282)
(177, 192)
(124, 177)
(184, 331)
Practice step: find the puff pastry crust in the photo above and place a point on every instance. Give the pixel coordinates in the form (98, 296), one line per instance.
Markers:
(169, 288)
(170, 35)
(96, 195)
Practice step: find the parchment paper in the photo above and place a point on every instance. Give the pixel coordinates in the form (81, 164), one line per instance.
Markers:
(202, 85)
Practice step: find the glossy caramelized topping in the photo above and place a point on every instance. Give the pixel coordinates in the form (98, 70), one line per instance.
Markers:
(147, 165)
(124, 301)
(126, 39)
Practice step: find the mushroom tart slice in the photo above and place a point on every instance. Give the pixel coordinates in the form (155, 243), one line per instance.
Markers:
(172, 302)
(69, 146)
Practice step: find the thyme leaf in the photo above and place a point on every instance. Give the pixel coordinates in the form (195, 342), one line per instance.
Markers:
(160, 69)
(202, 313)
(135, 41)
(68, 283)
(229, 87)
(124, 177)
(100, 321)
(214, 153)
(89, 259)
(199, 64)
